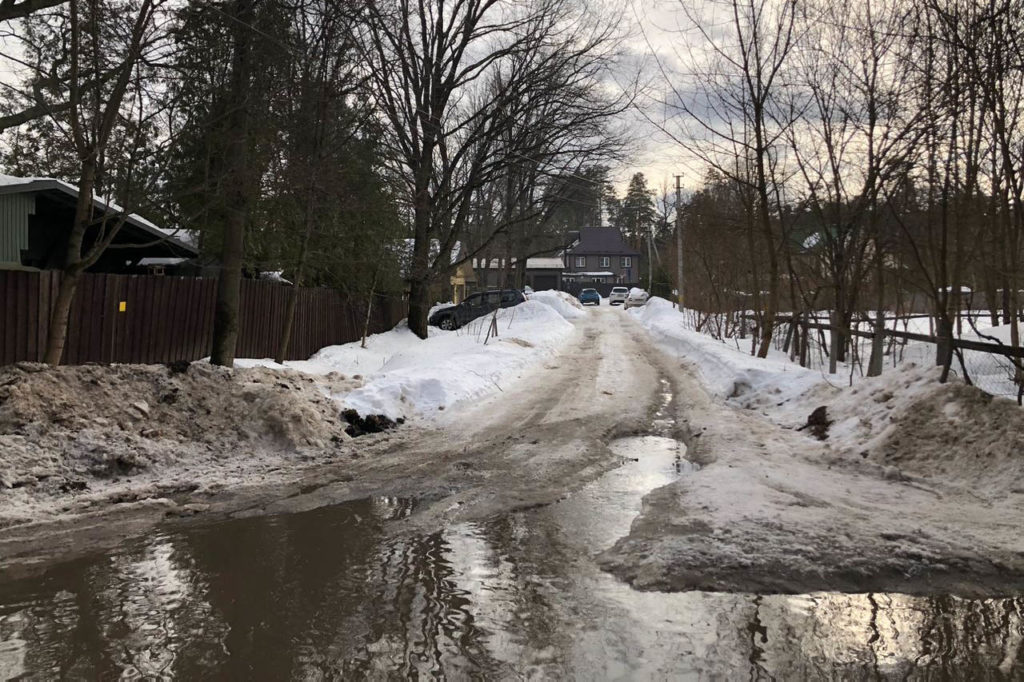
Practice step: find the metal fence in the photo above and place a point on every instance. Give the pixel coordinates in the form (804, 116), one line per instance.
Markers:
(149, 319)
(986, 364)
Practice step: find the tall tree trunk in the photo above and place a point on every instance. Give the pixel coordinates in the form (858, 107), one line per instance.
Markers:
(419, 307)
(878, 340)
(289, 317)
(237, 188)
(73, 266)
(300, 274)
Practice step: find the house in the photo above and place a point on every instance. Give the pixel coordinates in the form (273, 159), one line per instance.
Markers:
(36, 217)
(601, 256)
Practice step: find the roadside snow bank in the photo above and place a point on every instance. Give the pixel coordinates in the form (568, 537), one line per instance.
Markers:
(406, 376)
(450, 368)
(916, 488)
(903, 422)
(69, 430)
(727, 371)
(566, 305)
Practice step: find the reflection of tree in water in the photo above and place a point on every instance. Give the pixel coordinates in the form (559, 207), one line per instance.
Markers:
(132, 615)
(327, 593)
(530, 564)
(332, 593)
(892, 636)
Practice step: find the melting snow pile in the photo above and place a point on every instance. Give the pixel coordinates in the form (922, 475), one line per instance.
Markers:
(62, 429)
(903, 423)
(405, 376)
(727, 371)
(566, 305)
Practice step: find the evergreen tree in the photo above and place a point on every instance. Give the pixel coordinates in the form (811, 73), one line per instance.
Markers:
(638, 212)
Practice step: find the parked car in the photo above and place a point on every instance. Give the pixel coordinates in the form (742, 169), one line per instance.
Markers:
(476, 305)
(590, 296)
(636, 298)
(618, 295)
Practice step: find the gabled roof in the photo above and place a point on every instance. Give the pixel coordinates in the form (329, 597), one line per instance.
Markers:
(601, 241)
(14, 185)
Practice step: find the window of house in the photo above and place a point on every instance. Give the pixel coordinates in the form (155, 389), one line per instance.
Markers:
(627, 261)
(606, 261)
(581, 261)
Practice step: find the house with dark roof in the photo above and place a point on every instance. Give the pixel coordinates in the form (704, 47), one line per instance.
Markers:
(36, 217)
(600, 255)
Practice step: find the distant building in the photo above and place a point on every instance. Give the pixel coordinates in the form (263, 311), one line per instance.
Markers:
(601, 256)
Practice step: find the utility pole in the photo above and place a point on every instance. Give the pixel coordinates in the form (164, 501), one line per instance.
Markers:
(679, 245)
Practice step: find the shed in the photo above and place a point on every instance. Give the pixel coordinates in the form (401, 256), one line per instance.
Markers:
(36, 217)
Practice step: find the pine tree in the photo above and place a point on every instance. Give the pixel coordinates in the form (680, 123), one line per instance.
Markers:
(638, 212)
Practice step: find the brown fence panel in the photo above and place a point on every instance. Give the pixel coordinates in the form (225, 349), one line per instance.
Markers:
(148, 319)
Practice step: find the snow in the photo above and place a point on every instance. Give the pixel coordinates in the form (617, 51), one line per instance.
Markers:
(899, 495)
(404, 376)
(548, 263)
(566, 305)
(726, 371)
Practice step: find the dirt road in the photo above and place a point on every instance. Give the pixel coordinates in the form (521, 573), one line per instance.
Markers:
(771, 510)
(528, 445)
(476, 549)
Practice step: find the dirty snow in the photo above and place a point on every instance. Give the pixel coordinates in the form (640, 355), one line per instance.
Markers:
(94, 432)
(915, 488)
(75, 437)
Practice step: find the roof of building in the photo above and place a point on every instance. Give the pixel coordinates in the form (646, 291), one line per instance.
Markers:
(601, 241)
(178, 239)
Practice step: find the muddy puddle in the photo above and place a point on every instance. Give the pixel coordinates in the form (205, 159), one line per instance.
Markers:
(344, 592)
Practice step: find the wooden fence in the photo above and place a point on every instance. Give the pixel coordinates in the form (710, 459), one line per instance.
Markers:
(150, 319)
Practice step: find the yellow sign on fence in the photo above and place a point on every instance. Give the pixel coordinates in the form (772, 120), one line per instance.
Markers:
(122, 306)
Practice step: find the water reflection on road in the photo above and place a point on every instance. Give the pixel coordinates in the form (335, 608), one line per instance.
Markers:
(337, 592)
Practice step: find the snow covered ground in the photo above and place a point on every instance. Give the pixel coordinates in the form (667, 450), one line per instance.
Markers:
(910, 490)
(991, 372)
(403, 376)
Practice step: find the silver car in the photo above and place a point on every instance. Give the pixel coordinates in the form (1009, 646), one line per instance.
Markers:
(618, 295)
(635, 298)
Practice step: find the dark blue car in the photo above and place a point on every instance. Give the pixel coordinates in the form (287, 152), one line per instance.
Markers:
(590, 296)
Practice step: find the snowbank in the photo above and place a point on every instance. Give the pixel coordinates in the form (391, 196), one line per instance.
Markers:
(91, 431)
(904, 421)
(915, 488)
(404, 376)
(727, 371)
(566, 305)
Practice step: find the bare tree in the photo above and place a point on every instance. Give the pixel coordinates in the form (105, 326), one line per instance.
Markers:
(852, 145)
(453, 80)
(734, 116)
(93, 115)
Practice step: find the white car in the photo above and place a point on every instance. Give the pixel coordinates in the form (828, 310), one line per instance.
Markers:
(618, 295)
(636, 298)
